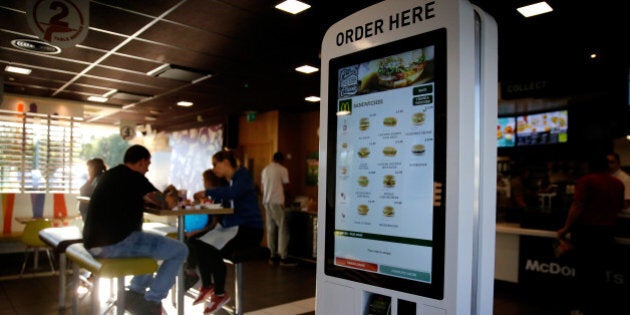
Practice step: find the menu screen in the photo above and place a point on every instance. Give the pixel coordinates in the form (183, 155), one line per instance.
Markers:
(386, 173)
(543, 128)
(506, 132)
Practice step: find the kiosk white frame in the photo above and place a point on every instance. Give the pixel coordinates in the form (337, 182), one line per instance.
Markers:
(469, 195)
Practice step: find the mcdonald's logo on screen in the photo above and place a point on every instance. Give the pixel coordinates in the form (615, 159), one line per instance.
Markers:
(345, 107)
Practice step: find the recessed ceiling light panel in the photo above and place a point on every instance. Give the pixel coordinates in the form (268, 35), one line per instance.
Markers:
(184, 103)
(19, 70)
(292, 6)
(312, 99)
(306, 69)
(98, 99)
(534, 9)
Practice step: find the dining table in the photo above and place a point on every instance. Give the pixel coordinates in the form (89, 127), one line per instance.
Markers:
(181, 212)
(55, 221)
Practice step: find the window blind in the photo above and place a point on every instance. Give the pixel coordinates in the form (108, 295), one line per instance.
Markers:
(38, 152)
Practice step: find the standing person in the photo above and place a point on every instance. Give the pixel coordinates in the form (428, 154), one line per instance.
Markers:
(522, 195)
(113, 229)
(614, 166)
(591, 221)
(275, 178)
(96, 167)
(243, 228)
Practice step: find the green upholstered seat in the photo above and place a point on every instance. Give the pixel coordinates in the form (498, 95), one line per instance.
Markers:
(106, 268)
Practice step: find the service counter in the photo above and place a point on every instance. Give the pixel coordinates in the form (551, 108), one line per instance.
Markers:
(526, 256)
(303, 232)
(507, 249)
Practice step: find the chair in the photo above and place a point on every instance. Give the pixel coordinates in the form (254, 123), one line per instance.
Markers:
(237, 259)
(30, 237)
(105, 268)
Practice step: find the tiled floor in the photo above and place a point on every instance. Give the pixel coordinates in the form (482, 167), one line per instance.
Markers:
(269, 290)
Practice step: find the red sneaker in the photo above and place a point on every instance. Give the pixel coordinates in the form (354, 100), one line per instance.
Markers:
(217, 303)
(204, 292)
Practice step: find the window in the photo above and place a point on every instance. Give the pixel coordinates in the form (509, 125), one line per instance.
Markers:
(39, 152)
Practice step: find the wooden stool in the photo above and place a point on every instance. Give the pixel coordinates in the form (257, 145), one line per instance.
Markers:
(237, 259)
(106, 268)
(59, 238)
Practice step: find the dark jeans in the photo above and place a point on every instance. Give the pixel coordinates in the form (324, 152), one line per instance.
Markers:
(210, 259)
(594, 246)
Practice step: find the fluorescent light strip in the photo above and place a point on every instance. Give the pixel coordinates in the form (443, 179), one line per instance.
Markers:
(19, 70)
(306, 69)
(534, 9)
(110, 93)
(158, 69)
(292, 6)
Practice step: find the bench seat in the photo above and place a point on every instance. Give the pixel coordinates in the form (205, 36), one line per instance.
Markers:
(59, 238)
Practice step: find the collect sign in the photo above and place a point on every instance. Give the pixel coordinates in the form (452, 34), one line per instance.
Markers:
(63, 23)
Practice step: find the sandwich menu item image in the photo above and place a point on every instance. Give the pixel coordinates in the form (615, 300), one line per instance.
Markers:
(363, 209)
(418, 149)
(417, 119)
(389, 181)
(388, 211)
(389, 151)
(363, 181)
(390, 121)
(364, 123)
(363, 152)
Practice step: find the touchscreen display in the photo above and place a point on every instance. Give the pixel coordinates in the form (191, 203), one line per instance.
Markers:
(387, 165)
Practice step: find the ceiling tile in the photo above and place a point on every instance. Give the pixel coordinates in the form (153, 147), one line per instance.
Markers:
(196, 40)
(114, 19)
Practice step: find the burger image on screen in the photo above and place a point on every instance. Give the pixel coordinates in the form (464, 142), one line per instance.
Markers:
(389, 181)
(364, 123)
(388, 211)
(344, 145)
(363, 181)
(417, 119)
(389, 151)
(363, 209)
(344, 170)
(390, 121)
(418, 149)
(363, 152)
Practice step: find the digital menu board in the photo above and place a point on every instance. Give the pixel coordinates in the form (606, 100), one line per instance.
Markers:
(506, 132)
(542, 128)
(387, 165)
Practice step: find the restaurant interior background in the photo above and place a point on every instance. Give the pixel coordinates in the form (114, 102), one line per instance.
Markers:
(235, 61)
